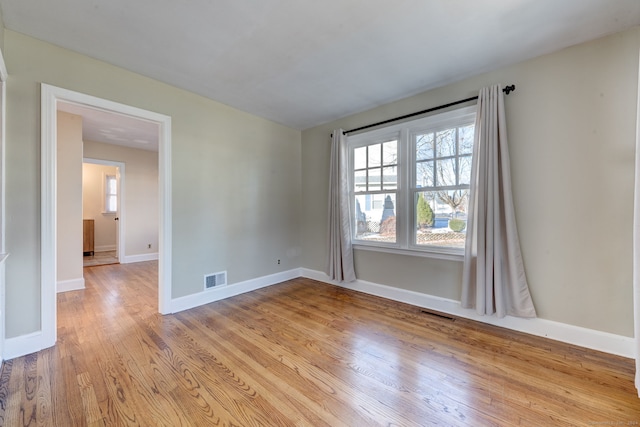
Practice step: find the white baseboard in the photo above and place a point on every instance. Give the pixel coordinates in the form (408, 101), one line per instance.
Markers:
(22, 345)
(70, 285)
(589, 338)
(104, 248)
(128, 259)
(226, 291)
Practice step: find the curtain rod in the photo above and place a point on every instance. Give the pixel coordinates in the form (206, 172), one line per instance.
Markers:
(507, 90)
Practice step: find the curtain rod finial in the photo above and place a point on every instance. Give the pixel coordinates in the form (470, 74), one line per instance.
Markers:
(508, 89)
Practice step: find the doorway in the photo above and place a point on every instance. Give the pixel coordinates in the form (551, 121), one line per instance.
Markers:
(103, 211)
(51, 96)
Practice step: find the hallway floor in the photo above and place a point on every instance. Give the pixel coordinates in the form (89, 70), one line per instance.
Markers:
(100, 258)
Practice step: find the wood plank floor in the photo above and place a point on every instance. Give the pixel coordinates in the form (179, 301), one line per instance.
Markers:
(99, 258)
(299, 353)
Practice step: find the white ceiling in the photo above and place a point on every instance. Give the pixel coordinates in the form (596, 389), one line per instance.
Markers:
(114, 128)
(306, 62)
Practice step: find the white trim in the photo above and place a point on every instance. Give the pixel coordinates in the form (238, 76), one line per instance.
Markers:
(3, 121)
(50, 96)
(23, 345)
(589, 338)
(164, 216)
(48, 216)
(70, 285)
(636, 244)
(3, 258)
(445, 253)
(226, 291)
(128, 259)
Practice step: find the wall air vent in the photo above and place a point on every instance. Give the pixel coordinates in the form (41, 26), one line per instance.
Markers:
(215, 280)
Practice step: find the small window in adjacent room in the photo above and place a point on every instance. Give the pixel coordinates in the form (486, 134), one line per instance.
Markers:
(110, 194)
(410, 184)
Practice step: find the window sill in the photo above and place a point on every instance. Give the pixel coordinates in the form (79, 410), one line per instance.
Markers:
(449, 255)
(109, 213)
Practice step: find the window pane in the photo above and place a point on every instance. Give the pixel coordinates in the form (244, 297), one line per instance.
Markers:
(110, 193)
(445, 172)
(390, 178)
(374, 179)
(374, 154)
(424, 147)
(446, 143)
(360, 181)
(376, 217)
(112, 203)
(377, 201)
(111, 188)
(465, 141)
(464, 169)
(424, 174)
(390, 153)
(452, 203)
(437, 223)
(424, 203)
(360, 158)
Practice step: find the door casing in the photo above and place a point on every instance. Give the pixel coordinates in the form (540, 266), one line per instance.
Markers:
(50, 96)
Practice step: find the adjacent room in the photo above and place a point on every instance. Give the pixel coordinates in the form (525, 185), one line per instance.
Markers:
(320, 213)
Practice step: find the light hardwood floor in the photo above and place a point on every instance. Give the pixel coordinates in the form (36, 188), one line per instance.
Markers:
(299, 353)
(99, 258)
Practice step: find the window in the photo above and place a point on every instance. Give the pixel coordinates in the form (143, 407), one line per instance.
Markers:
(110, 194)
(410, 184)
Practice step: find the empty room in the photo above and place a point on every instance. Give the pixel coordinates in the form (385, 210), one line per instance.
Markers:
(342, 213)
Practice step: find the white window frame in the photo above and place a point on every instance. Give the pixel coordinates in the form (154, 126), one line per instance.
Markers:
(405, 206)
(106, 194)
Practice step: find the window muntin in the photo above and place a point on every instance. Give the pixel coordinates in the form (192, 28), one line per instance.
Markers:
(419, 183)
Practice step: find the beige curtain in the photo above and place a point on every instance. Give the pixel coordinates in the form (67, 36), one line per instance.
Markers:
(340, 260)
(494, 280)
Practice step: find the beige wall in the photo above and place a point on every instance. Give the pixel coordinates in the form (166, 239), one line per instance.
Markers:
(69, 197)
(1, 32)
(571, 127)
(93, 176)
(236, 178)
(140, 194)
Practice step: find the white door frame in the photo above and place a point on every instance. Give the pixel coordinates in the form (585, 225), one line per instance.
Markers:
(3, 254)
(120, 228)
(50, 96)
(636, 242)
